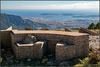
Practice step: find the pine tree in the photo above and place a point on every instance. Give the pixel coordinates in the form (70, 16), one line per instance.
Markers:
(91, 26)
(98, 25)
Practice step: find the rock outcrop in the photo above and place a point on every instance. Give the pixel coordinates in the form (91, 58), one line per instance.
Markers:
(84, 30)
(67, 30)
(10, 28)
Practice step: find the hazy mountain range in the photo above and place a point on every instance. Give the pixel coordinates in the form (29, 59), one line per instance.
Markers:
(18, 22)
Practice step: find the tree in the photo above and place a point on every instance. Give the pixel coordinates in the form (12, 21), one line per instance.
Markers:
(98, 25)
(27, 28)
(91, 26)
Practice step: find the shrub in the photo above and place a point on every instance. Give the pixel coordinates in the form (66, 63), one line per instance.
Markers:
(98, 25)
(91, 26)
(94, 55)
(78, 28)
(27, 28)
(45, 29)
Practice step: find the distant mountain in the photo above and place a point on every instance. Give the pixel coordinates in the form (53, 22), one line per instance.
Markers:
(18, 22)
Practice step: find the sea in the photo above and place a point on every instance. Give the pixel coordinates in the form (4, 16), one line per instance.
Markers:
(54, 14)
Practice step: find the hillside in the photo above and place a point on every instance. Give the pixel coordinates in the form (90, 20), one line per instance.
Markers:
(18, 23)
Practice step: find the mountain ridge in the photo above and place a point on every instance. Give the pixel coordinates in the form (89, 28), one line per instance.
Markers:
(17, 22)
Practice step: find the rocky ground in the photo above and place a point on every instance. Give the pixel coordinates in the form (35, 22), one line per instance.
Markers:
(8, 58)
(94, 42)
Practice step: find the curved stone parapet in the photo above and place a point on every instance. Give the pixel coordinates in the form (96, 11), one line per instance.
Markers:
(74, 44)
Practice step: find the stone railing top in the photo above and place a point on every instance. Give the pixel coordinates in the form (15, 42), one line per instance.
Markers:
(48, 32)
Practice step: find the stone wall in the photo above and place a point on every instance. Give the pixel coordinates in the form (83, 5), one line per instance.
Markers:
(23, 51)
(26, 50)
(79, 49)
(39, 36)
(5, 38)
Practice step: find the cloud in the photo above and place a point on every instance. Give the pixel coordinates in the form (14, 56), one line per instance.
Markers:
(35, 7)
(83, 5)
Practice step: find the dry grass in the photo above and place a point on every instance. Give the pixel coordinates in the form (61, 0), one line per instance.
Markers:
(94, 55)
(75, 30)
(59, 30)
(64, 30)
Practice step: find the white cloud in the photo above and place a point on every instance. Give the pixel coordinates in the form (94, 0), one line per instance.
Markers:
(35, 7)
(81, 5)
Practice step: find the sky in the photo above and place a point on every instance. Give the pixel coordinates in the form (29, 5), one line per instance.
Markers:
(76, 5)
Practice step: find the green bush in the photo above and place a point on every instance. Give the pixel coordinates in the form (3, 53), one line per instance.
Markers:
(94, 26)
(91, 26)
(44, 29)
(98, 25)
(28, 28)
